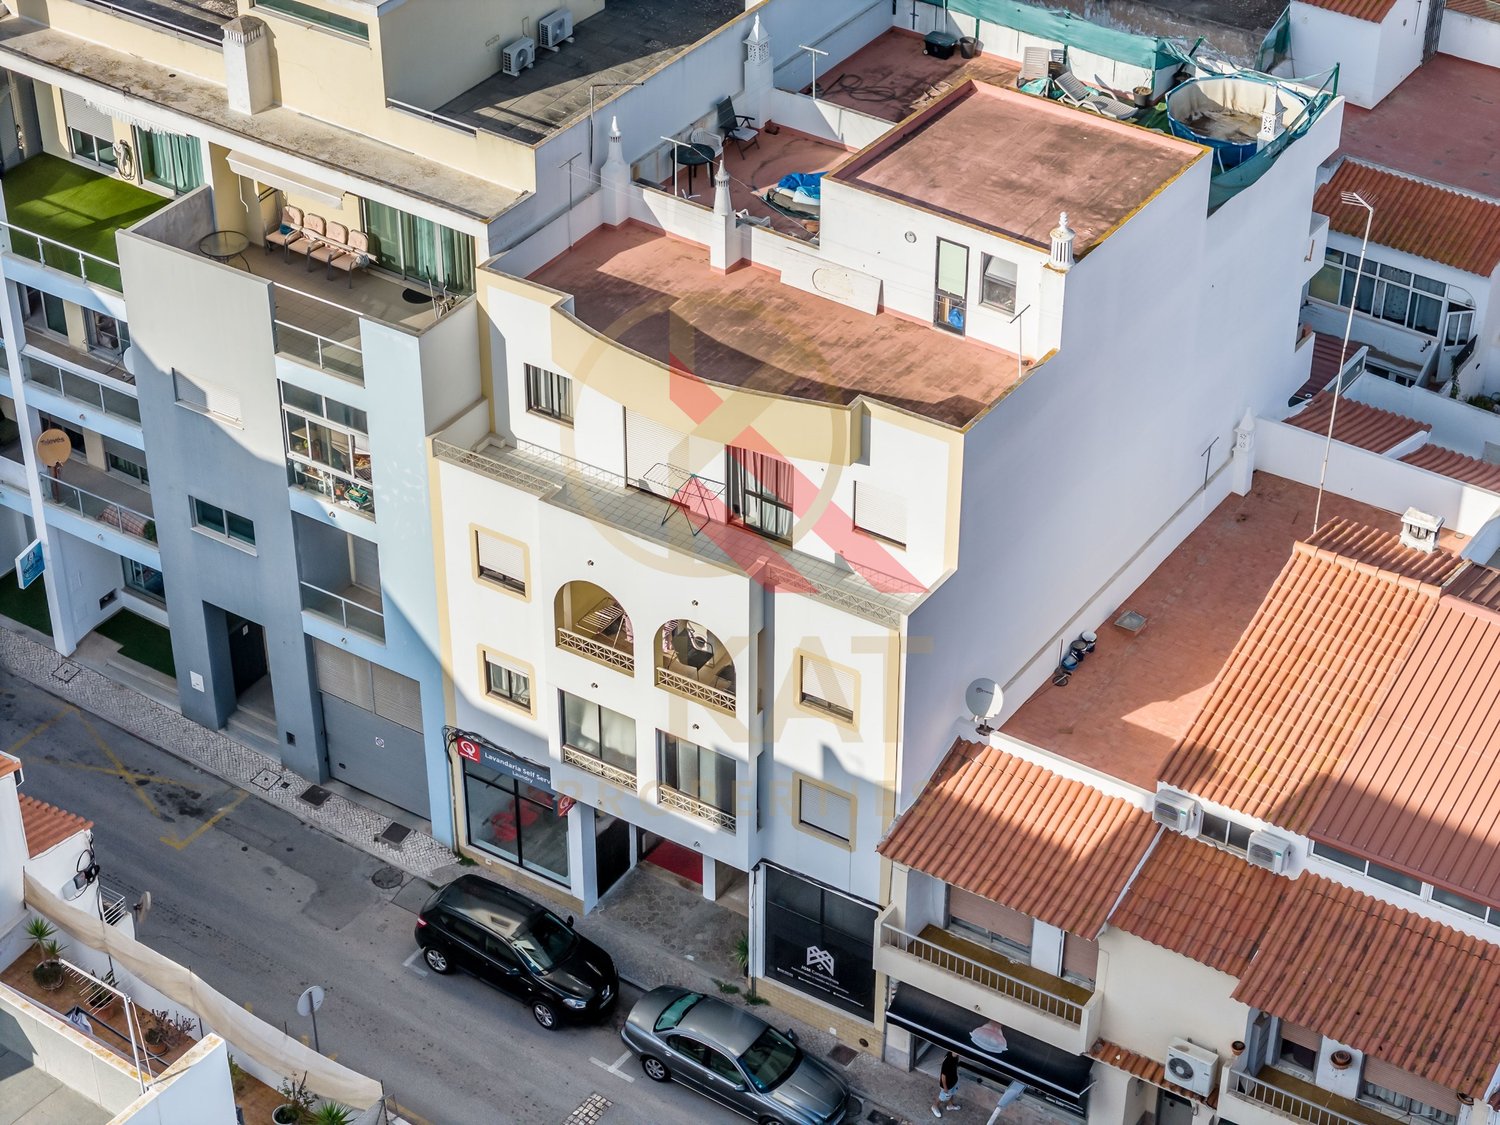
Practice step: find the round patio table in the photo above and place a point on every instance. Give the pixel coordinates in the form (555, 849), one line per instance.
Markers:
(222, 245)
(692, 157)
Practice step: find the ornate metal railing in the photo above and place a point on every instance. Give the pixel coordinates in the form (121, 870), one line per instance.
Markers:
(673, 799)
(693, 689)
(625, 779)
(1286, 1102)
(596, 650)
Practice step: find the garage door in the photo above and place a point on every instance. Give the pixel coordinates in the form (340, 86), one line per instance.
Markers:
(372, 719)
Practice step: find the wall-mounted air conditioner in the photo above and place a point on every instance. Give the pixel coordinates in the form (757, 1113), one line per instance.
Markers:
(555, 29)
(1192, 1067)
(1268, 850)
(1177, 811)
(517, 55)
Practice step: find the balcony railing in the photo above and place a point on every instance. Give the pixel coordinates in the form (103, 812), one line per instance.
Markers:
(673, 799)
(61, 256)
(600, 768)
(1274, 1096)
(319, 351)
(345, 611)
(81, 390)
(693, 689)
(112, 906)
(987, 976)
(133, 523)
(596, 650)
(431, 115)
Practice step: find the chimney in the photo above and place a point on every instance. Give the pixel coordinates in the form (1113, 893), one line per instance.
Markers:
(726, 244)
(758, 78)
(1062, 244)
(1270, 126)
(247, 65)
(1419, 531)
(614, 179)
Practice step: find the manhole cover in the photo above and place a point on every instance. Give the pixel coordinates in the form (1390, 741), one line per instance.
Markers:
(66, 671)
(878, 1118)
(265, 779)
(387, 878)
(394, 834)
(843, 1054)
(315, 795)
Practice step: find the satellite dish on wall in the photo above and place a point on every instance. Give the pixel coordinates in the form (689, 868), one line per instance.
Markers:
(984, 700)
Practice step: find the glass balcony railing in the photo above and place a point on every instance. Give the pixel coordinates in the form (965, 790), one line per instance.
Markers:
(344, 611)
(84, 391)
(113, 514)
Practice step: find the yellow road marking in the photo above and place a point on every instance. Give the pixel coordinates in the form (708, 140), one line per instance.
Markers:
(128, 775)
(224, 810)
(40, 728)
(120, 769)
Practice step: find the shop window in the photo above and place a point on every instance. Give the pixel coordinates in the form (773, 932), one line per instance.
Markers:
(516, 821)
(820, 942)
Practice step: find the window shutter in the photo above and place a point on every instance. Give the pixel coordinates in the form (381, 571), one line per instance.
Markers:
(226, 404)
(1080, 957)
(85, 118)
(979, 911)
(826, 810)
(501, 556)
(1380, 1073)
(397, 698)
(188, 392)
(832, 685)
(879, 512)
(1301, 1036)
(343, 675)
(649, 444)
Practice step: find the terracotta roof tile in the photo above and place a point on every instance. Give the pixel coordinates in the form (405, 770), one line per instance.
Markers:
(1362, 543)
(1371, 11)
(1477, 584)
(1480, 9)
(1451, 463)
(1420, 787)
(1327, 350)
(1018, 834)
(1367, 427)
(8, 765)
(1416, 217)
(46, 825)
(1145, 1068)
(1291, 696)
(1410, 991)
(1203, 902)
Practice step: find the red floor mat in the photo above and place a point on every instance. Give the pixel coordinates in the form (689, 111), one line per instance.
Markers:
(678, 860)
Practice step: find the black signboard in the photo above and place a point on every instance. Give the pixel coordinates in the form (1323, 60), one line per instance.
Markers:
(820, 942)
(473, 748)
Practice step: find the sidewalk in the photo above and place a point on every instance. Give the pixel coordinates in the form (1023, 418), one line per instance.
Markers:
(693, 957)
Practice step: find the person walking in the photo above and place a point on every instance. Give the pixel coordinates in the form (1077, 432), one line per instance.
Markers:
(947, 1085)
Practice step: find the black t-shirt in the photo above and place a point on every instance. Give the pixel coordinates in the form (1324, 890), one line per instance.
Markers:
(950, 1071)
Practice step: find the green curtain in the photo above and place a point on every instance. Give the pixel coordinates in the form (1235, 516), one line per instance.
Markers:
(458, 261)
(170, 160)
(420, 249)
(383, 225)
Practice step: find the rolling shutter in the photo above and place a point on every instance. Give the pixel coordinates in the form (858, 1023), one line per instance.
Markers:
(832, 685)
(501, 558)
(879, 512)
(1080, 957)
(649, 444)
(1002, 921)
(1398, 1081)
(205, 397)
(397, 697)
(86, 118)
(344, 676)
(1301, 1036)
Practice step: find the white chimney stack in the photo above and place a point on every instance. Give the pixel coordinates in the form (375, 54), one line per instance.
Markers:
(1419, 530)
(1062, 244)
(614, 178)
(247, 65)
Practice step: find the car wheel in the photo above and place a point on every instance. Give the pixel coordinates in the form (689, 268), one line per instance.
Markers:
(770, 1121)
(437, 960)
(545, 1014)
(655, 1069)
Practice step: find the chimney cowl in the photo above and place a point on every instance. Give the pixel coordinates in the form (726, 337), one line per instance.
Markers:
(1419, 530)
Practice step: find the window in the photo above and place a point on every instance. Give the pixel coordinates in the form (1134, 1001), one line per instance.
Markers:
(999, 285)
(106, 334)
(1235, 837)
(827, 687)
(549, 394)
(760, 492)
(1381, 291)
(317, 17)
(1342, 858)
(502, 561)
(420, 249)
(598, 732)
(819, 942)
(1395, 878)
(696, 771)
(91, 132)
(43, 309)
(328, 449)
(825, 809)
(880, 513)
(144, 580)
(1459, 902)
(506, 683)
(169, 160)
(952, 283)
(672, 1014)
(126, 467)
(205, 398)
(1405, 1105)
(222, 523)
(96, 150)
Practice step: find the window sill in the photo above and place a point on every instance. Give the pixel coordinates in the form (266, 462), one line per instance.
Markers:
(828, 713)
(510, 704)
(208, 533)
(495, 584)
(204, 412)
(886, 539)
(568, 422)
(824, 835)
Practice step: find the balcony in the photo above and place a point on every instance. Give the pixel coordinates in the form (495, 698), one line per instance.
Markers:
(65, 216)
(613, 774)
(692, 662)
(670, 798)
(1273, 1096)
(982, 979)
(84, 391)
(356, 608)
(102, 498)
(592, 623)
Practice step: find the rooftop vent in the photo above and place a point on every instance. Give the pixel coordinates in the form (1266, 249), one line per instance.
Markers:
(1419, 531)
(1130, 621)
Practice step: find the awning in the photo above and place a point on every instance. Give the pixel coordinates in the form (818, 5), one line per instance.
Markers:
(1049, 1071)
(263, 173)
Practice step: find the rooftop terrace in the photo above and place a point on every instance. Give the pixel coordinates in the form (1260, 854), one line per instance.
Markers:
(202, 19)
(1039, 158)
(660, 297)
(624, 43)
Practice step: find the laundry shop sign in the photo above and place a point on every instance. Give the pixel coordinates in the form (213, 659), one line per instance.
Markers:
(474, 748)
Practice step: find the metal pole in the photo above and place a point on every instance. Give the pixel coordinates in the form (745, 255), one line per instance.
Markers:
(315, 1032)
(814, 52)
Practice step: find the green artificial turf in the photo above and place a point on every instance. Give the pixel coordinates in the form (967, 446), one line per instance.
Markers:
(140, 640)
(28, 606)
(76, 206)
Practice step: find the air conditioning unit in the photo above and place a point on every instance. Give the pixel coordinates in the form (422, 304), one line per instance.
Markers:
(555, 29)
(518, 55)
(1177, 811)
(1268, 850)
(1192, 1067)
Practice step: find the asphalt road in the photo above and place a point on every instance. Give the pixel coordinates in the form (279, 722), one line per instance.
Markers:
(260, 905)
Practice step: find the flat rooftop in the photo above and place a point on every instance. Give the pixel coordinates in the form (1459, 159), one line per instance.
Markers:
(1038, 158)
(202, 18)
(624, 43)
(892, 77)
(28, 1096)
(1442, 123)
(1135, 697)
(659, 296)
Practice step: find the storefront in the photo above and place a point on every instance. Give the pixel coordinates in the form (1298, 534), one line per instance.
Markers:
(820, 942)
(509, 808)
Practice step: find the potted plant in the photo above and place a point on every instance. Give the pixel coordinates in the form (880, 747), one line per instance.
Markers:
(331, 1113)
(1237, 1048)
(297, 1109)
(96, 996)
(238, 1078)
(167, 1029)
(48, 972)
(739, 953)
(1142, 96)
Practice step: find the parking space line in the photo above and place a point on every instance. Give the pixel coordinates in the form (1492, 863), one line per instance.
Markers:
(614, 1068)
(407, 964)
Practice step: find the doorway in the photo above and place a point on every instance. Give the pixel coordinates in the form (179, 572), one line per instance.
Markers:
(611, 850)
(247, 656)
(1173, 1109)
(950, 308)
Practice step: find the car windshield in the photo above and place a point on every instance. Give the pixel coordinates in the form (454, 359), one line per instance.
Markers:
(672, 1015)
(544, 941)
(770, 1059)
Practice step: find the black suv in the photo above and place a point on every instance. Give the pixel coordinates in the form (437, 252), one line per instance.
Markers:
(520, 947)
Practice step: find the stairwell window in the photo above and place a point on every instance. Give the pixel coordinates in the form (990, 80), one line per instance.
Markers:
(827, 687)
(222, 523)
(999, 285)
(760, 492)
(549, 394)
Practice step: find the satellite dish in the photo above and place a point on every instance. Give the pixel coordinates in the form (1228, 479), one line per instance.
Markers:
(984, 700)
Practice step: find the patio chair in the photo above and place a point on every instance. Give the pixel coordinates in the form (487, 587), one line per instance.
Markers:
(1075, 93)
(736, 126)
(1035, 63)
(356, 256)
(334, 243)
(313, 232)
(288, 232)
(707, 137)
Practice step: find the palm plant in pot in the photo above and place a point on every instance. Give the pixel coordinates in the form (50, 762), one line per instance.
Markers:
(331, 1113)
(49, 970)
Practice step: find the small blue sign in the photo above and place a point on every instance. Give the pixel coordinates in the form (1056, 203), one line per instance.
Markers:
(30, 563)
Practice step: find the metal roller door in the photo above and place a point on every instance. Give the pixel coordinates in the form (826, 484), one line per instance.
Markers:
(372, 720)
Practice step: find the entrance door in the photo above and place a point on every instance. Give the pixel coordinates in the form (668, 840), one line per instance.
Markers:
(611, 851)
(1434, 28)
(247, 652)
(1171, 1109)
(951, 307)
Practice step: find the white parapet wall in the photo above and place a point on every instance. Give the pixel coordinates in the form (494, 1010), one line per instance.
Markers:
(1455, 424)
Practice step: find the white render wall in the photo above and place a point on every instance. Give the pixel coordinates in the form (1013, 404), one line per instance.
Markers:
(1469, 37)
(1372, 58)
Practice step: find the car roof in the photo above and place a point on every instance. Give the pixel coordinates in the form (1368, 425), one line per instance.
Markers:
(729, 1027)
(491, 905)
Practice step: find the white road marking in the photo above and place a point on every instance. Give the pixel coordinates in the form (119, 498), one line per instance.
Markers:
(407, 964)
(614, 1068)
